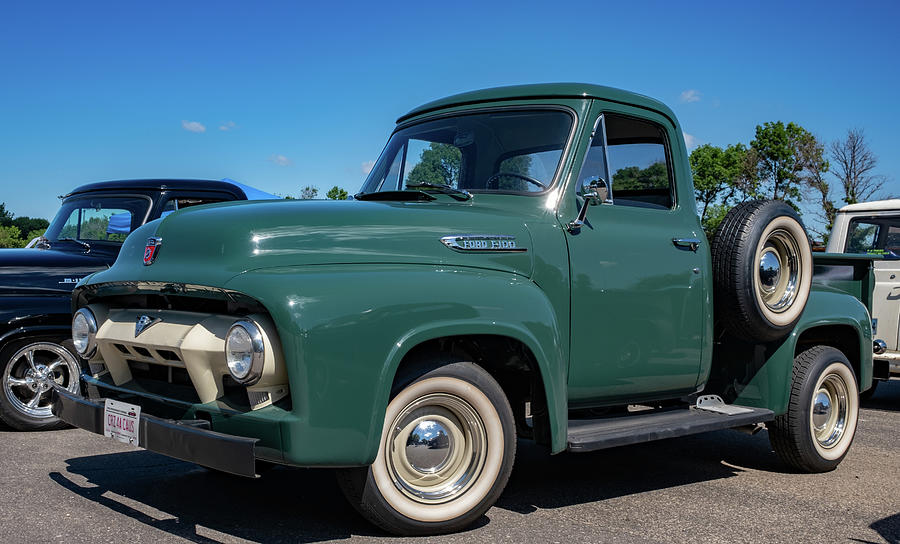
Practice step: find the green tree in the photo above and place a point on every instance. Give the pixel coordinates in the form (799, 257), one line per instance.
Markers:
(28, 224)
(6, 217)
(10, 237)
(719, 177)
(782, 156)
(438, 164)
(336, 193)
(309, 192)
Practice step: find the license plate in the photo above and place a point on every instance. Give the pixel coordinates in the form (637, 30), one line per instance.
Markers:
(121, 421)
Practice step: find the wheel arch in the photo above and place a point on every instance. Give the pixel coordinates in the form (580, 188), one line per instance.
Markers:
(527, 360)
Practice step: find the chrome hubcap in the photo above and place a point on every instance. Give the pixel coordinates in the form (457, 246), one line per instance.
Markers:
(436, 448)
(830, 406)
(429, 446)
(779, 271)
(821, 411)
(769, 270)
(33, 371)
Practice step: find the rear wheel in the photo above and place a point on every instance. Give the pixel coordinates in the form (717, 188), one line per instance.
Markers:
(446, 452)
(818, 428)
(31, 368)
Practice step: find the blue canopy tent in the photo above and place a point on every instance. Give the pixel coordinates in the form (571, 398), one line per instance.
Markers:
(119, 223)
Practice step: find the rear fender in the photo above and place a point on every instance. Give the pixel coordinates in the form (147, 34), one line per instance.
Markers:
(770, 366)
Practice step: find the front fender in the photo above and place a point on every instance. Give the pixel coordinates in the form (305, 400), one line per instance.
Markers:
(345, 329)
(770, 386)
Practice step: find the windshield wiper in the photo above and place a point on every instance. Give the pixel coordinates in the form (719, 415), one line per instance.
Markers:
(459, 194)
(395, 196)
(86, 245)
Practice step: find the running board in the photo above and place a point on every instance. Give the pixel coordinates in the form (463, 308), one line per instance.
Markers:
(601, 433)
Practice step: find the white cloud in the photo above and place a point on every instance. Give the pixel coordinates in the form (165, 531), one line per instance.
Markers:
(280, 160)
(690, 95)
(228, 125)
(367, 166)
(193, 126)
(690, 140)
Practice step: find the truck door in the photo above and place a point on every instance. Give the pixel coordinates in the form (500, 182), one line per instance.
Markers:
(639, 306)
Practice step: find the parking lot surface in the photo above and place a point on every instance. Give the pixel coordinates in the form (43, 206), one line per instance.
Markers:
(73, 486)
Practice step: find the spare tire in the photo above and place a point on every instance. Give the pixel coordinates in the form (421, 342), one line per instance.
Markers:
(762, 270)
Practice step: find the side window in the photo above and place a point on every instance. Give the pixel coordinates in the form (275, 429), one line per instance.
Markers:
(638, 163)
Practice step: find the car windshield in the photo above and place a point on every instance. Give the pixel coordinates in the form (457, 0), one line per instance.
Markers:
(516, 151)
(98, 218)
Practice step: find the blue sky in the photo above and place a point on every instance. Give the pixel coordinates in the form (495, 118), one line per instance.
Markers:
(283, 95)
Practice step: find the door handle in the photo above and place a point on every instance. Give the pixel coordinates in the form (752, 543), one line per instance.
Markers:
(687, 243)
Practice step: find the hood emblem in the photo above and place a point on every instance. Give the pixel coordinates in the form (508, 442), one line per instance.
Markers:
(494, 243)
(151, 250)
(144, 322)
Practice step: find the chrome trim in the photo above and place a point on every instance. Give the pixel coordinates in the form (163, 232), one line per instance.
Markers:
(92, 333)
(483, 243)
(256, 345)
(879, 346)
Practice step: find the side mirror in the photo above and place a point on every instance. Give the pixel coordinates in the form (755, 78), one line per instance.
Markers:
(594, 192)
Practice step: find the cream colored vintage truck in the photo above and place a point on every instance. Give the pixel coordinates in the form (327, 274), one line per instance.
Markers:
(874, 227)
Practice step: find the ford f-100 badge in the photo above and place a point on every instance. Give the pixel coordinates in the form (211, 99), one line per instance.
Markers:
(483, 242)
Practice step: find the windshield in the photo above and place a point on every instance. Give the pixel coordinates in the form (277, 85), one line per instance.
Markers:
(501, 151)
(98, 218)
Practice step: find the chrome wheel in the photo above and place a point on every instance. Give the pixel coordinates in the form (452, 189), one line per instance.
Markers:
(32, 372)
(436, 448)
(828, 414)
(779, 270)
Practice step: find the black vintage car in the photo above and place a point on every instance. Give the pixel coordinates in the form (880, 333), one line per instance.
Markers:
(36, 283)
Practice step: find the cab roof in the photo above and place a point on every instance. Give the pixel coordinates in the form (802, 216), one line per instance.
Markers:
(229, 186)
(873, 206)
(543, 90)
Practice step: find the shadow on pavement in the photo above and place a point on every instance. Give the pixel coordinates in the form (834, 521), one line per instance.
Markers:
(305, 505)
(886, 397)
(542, 481)
(300, 505)
(888, 528)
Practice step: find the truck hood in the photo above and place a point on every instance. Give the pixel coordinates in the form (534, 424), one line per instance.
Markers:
(212, 244)
(44, 271)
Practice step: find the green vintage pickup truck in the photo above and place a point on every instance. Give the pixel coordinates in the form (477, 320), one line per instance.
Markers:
(522, 262)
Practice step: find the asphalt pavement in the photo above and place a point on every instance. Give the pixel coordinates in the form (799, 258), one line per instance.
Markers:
(73, 486)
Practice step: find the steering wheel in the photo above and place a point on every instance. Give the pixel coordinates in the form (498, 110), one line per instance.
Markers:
(498, 175)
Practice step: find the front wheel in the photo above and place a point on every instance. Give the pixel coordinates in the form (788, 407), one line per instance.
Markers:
(30, 369)
(818, 428)
(447, 449)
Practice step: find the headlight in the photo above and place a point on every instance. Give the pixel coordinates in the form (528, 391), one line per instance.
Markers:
(84, 332)
(245, 352)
